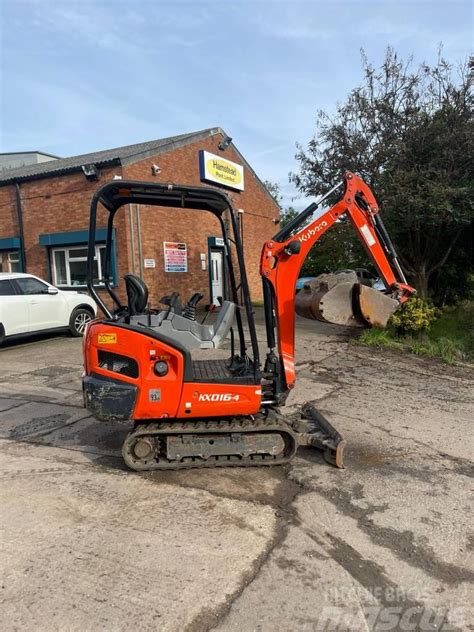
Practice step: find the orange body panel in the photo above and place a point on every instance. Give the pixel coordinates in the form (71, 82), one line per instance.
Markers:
(145, 351)
(219, 400)
(176, 397)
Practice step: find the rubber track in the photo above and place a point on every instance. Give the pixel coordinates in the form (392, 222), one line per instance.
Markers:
(244, 425)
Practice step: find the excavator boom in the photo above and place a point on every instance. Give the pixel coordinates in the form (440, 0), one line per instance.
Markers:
(345, 303)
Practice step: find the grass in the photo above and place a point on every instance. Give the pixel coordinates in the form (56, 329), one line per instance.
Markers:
(450, 338)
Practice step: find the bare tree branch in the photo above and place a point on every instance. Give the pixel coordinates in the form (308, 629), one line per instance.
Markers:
(409, 268)
(443, 259)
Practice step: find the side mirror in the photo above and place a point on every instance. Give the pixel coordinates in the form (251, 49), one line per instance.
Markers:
(52, 290)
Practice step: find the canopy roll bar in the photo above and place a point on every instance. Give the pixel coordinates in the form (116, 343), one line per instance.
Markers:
(118, 193)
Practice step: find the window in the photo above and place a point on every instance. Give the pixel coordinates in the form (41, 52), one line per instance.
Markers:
(29, 285)
(6, 288)
(14, 261)
(70, 266)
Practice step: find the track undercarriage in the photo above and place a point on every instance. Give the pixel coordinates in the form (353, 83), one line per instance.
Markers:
(268, 438)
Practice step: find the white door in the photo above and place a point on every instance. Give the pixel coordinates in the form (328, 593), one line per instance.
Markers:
(217, 275)
(46, 311)
(13, 309)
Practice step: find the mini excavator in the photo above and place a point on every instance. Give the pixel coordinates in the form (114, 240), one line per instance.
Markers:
(141, 366)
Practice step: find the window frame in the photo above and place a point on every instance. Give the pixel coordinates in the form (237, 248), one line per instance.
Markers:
(15, 253)
(68, 259)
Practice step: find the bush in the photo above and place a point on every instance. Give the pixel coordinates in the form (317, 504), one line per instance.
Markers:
(450, 338)
(414, 317)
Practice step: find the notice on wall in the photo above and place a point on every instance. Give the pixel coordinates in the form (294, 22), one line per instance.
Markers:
(149, 263)
(176, 257)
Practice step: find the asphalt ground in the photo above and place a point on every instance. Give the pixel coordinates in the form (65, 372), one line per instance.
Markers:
(384, 544)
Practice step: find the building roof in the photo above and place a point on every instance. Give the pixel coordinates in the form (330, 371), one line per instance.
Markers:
(109, 157)
(21, 153)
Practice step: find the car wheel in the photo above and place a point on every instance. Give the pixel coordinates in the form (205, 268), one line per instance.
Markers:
(2, 334)
(78, 321)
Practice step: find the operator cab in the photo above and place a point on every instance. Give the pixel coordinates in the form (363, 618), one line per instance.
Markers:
(220, 351)
(174, 321)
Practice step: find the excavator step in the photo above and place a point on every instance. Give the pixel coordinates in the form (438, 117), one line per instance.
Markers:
(264, 439)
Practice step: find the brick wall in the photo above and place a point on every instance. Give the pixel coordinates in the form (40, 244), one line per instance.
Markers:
(61, 204)
(181, 166)
(52, 205)
(8, 223)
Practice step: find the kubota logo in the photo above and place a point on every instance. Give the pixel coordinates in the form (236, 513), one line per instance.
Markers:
(218, 397)
(313, 231)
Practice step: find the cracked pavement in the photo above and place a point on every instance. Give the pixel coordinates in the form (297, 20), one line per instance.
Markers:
(383, 545)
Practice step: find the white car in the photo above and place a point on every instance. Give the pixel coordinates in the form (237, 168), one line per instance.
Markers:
(29, 304)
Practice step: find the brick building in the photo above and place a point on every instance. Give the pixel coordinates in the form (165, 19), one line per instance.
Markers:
(44, 213)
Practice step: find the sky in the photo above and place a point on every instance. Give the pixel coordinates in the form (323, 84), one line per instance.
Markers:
(83, 75)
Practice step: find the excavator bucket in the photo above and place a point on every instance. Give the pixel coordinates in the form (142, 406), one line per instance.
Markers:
(340, 299)
(374, 307)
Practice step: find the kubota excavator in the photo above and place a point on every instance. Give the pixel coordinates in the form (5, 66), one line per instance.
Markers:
(140, 363)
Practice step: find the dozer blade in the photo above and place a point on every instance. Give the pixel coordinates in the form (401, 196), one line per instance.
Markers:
(340, 300)
(316, 431)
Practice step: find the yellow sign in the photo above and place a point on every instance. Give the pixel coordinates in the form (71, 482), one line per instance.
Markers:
(214, 168)
(107, 339)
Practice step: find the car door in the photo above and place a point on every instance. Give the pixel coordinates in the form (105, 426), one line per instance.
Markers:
(14, 313)
(45, 310)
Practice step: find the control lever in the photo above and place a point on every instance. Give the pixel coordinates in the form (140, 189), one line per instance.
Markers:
(190, 309)
(173, 302)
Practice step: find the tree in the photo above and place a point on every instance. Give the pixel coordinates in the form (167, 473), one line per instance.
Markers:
(336, 249)
(274, 189)
(408, 132)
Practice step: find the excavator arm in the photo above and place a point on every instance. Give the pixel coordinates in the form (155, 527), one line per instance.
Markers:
(283, 256)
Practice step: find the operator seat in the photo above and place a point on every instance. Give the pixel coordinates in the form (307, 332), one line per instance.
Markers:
(193, 335)
(137, 294)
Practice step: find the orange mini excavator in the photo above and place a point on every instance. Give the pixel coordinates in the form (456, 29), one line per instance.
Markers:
(141, 365)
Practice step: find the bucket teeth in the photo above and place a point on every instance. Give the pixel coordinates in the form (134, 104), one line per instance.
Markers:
(340, 300)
